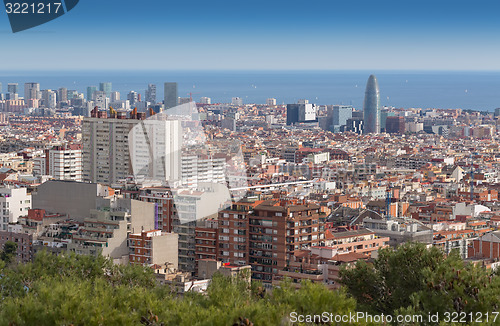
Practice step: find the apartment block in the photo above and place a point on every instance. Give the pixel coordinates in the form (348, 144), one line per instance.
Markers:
(14, 203)
(206, 236)
(60, 162)
(153, 248)
(24, 244)
(105, 151)
(233, 237)
(164, 206)
(277, 230)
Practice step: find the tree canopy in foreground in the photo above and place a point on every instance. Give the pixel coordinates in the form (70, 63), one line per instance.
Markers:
(85, 290)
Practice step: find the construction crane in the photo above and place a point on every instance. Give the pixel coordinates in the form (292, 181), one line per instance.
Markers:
(191, 96)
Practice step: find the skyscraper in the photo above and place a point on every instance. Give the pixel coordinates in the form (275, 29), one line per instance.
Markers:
(371, 106)
(49, 98)
(90, 92)
(13, 88)
(339, 116)
(115, 96)
(105, 154)
(101, 100)
(31, 91)
(170, 95)
(301, 112)
(132, 97)
(151, 93)
(105, 87)
(62, 94)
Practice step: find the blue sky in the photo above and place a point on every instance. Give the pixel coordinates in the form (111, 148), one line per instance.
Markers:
(317, 34)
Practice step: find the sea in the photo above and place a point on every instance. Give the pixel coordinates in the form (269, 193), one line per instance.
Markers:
(473, 90)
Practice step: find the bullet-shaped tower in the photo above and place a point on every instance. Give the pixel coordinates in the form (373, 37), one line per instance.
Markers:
(371, 107)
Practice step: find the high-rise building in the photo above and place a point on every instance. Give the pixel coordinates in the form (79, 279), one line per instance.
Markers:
(155, 149)
(49, 98)
(339, 114)
(61, 162)
(31, 91)
(115, 96)
(371, 106)
(62, 94)
(279, 229)
(170, 95)
(301, 112)
(105, 151)
(151, 93)
(201, 169)
(106, 88)
(73, 94)
(113, 149)
(13, 88)
(497, 110)
(101, 100)
(132, 97)
(90, 92)
(0, 88)
(384, 113)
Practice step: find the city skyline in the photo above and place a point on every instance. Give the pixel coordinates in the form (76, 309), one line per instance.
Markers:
(333, 35)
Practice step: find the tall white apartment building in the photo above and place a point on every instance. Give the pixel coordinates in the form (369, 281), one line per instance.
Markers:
(105, 154)
(60, 162)
(14, 203)
(201, 169)
(115, 148)
(155, 149)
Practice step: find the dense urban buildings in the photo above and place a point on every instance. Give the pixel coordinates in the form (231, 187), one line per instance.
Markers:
(286, 191)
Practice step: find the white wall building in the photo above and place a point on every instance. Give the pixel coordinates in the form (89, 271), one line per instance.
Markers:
(62, 163)
(14, 203)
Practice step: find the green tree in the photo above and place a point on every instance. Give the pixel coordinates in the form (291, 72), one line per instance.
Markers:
(388, 283)
(457, 289)
(9, 252)
(84, 290)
